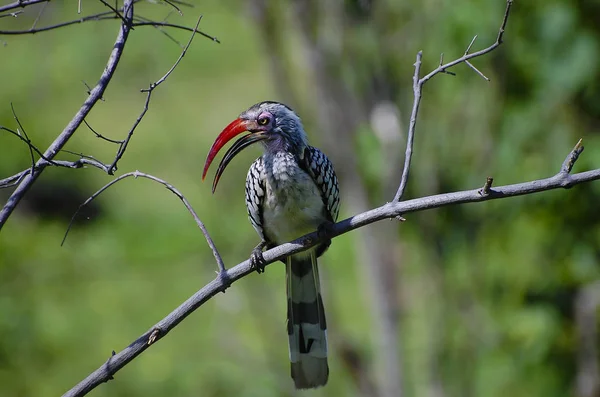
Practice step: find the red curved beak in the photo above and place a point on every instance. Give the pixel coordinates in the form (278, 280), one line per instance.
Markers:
(234, 128)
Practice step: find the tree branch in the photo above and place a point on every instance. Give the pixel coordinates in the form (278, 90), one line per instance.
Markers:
(105, 16)
(124, 143)
(70, 129)
(20, 4)
(174, 190)
(26, 178)
(388, 211)
(442, 68)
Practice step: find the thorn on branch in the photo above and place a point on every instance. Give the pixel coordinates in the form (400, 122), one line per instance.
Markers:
(487, 187)
(89, 90)
(442, 64)
(477, 70)
(470, 45)
(569, 162)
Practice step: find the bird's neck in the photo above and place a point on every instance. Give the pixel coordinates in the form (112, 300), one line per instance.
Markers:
(282, 168)
(279, 143)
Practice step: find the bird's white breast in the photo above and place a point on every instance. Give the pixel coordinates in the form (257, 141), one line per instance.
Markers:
(293, 205)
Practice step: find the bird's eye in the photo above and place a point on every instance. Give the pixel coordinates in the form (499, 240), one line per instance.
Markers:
(263, 120)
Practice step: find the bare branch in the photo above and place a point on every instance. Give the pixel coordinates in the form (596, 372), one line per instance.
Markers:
(20, 4)
(12, 14)
(442, 68)
(226, 278)
(174, 190)
(175, 26)
(98, 135)
(70, 129)
(115, 11)
(42, 163)
(42, 9)
(123, 145)
(26, 139)
(96, 17)
(172, 4)
(105, 16)
(14, 180)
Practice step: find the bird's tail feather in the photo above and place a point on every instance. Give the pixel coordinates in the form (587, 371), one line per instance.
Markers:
(307, 329)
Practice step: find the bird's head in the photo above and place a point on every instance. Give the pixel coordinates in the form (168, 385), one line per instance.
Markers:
(272, 123)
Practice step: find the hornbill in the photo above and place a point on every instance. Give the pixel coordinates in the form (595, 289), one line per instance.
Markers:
(291, 190)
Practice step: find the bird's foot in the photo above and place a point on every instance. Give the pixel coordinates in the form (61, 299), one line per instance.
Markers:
(257, 260)
(325, 230)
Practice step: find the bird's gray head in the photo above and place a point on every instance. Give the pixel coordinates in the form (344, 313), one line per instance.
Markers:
(272, 123)
(281, 125)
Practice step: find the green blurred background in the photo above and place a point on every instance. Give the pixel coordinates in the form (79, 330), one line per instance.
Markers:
(472, 300)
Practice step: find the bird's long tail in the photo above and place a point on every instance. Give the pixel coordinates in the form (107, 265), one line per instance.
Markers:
(307, 329)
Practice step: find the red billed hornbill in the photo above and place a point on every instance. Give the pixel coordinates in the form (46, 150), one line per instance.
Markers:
(291, 190)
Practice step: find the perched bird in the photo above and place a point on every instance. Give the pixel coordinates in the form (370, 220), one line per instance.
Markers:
(291, 190)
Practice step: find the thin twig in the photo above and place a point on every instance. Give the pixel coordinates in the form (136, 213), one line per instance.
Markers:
(20, 4)
(569, 162)
(42, 163)
(469, 64)
(161, 30)
(175, 191)
(149, 91)
(39, 15)
(172, 25)
(14, 179)
(116, 12)
(174, 6)
(105, 16)
(70, 129)
(26, 140)
(387, 211)
(11, 14)
(442, 68)
(98, 135)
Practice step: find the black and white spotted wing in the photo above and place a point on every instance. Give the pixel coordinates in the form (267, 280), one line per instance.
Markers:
(255, 194)
(321, 170)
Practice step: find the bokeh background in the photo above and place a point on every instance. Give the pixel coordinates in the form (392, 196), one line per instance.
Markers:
(472, 300)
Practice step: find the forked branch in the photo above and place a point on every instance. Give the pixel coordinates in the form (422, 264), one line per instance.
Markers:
(419, 82)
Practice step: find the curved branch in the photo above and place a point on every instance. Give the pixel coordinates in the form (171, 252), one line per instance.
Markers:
(388, 211)
(171, 188)
(63, 138)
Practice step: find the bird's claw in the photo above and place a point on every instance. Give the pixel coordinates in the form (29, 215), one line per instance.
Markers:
(325, 230)
(257, 260)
